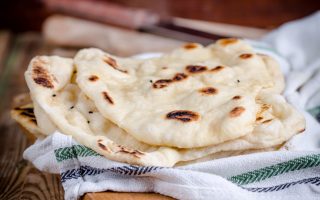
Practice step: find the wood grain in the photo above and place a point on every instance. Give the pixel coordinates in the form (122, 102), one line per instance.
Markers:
(124, 195)
(18, 178)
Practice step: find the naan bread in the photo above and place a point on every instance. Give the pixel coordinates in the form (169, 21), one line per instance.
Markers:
(59, 100)
(28, 122)
(192, 97)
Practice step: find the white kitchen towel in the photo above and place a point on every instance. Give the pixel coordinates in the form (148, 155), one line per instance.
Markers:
(283, 175)
(271, 175)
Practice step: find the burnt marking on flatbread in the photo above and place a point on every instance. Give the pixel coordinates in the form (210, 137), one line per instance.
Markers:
(208, 91)
(245, 56)
(43, 81)
(102, 146)
(41, 76)
(237, 97)
(183, 115)
(161, 83)
(179, 77)
(34, 121)
(190, 46)
(196, 69)
(267, 121)
(236, 111)
(165, 82)
(107, 97)
(113, 63)
(135, 153)
(29, 110)
(264, 107)
(228, 41)
(217, 68)
(259, 118)
(93, 78)
(27, 114)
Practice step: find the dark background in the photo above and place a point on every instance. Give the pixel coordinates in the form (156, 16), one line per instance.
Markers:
(24, 15)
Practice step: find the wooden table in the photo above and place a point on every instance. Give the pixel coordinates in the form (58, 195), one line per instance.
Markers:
(18, 178)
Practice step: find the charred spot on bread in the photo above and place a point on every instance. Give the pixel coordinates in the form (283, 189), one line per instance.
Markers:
(165, 82)
(227, 41)
(28, 114)
(196, 68)
(93, 78)
(113, 63)
(183, 115)
(208, 91)
(41, 76)
(135, 153)
(237, 97)
(102, 146)
(264, 107)
(217, 68)
(179, 77)
(107, 97)
(267, 121)
(190, 46)
(245, 56)
(161, 83)
(237, 111)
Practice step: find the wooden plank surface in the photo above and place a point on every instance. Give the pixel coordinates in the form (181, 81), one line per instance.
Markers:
(18, 178)
(124, 195)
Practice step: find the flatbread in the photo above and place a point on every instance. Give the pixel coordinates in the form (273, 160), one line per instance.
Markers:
(192, 97)
(28, 122)
(72, 112)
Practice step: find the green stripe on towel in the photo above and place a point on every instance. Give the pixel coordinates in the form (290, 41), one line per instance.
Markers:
(274, 170)
(74, 152)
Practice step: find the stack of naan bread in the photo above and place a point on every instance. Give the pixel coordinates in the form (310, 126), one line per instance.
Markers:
(193, 103)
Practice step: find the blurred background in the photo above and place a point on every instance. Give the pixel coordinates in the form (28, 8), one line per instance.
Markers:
(22, 15)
